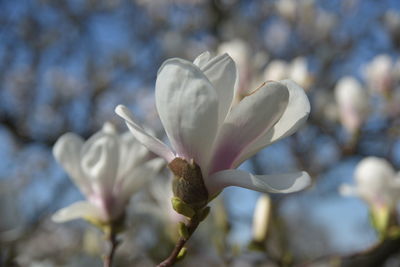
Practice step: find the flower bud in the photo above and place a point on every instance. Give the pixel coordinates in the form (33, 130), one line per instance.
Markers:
(261, 218)
(188, 184)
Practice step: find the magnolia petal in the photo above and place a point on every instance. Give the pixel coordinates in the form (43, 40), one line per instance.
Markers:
(188, 108)
(276, 183)
(149, 141)
(138, 177)
(295, 115)
(78, 210)
(221, 72)
(67, 151)
(131, 154)
(247, 120)
(100, 159)
(202, 59)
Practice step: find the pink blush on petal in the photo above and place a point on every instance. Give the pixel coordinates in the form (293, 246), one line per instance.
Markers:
(224, 157)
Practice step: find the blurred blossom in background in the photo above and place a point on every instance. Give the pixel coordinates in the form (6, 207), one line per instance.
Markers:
(65, 65)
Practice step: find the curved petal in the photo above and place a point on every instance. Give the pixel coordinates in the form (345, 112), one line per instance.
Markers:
(188, 107)
(247, 120)
(67, 152)
(275, 183)
(221, 72)
(77, 210)
(293, 118)
(149, 141)
(100, 158)
(202, 59)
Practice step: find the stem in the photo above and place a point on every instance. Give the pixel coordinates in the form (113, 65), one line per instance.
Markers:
(108, 258)
(172, 258)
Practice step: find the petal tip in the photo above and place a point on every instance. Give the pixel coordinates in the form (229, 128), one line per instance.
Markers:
(305, 180)
(120, 110)
(64, 141)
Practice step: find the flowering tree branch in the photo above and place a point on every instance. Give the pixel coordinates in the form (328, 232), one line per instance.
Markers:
(177, 252)
(114, 243)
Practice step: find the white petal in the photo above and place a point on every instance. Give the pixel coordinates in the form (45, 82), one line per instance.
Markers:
(138, 177)
(221, 72)
(131, 154)
(109, 128)
(82, 209)
(202, 59)
(67, 151)
(149, 141)
(188, 107)
(293, 118)
(247, 120)
(100, 158)
(276, 183)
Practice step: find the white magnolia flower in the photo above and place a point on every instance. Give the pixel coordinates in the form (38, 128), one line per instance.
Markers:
(194, 102)
(376, 183)
(287, 9)
(108, 168)
(276, 70)
(299, 72)
(296, 70)
(353, 103)
(379, 74)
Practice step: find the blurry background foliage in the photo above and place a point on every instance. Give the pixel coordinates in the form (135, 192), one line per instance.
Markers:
(65, 65)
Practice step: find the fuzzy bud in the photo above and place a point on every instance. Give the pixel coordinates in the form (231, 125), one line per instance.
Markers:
(188, 184)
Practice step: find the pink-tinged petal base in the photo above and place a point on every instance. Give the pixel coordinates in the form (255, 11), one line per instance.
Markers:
(247, 121)
(294, 116)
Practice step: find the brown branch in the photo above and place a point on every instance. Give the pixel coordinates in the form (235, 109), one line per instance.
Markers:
(112, 239)
(374, 256)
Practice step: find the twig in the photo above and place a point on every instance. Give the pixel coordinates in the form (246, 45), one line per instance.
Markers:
(173, 257)
(112, 239)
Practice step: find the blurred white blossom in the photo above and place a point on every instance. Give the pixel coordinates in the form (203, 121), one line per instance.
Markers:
(286, 8)
(353, 103)
(204, 126)
(376, 182)
(296, 70)
(379, 74)
(261, 218)
(108, 168)
(276, 70)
